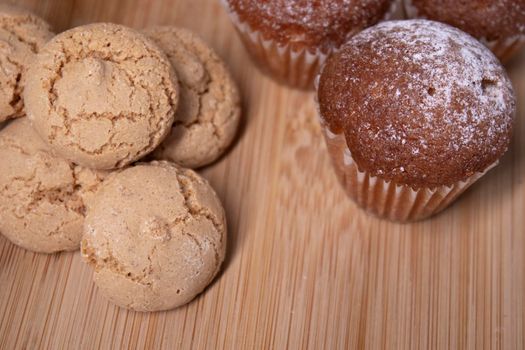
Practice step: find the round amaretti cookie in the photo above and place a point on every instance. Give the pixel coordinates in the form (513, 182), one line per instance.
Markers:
(101, 95)
(155, 235)
(500, 24)
(209, 108)
(290, 39)
(414, 112)
(22, 34)
(43, 198)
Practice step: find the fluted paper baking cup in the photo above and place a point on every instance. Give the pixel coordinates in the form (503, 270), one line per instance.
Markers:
(283, 62)
(503, 49)
(385, 198)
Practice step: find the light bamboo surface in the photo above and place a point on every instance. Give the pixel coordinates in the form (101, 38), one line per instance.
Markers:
(305, 267)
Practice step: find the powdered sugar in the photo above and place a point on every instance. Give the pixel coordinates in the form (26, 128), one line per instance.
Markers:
(419, 96)
(307, 13)
(325, 22)
(490, 20)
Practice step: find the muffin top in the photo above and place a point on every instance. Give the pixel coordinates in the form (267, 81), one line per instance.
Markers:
(420, 103)
(488, 19)
(322, 24)
(101, 95)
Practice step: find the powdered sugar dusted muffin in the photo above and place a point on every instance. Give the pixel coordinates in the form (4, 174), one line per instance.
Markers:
(291, 39)
(22, 34)
(500, 24)
(414, 112)
(209, 110)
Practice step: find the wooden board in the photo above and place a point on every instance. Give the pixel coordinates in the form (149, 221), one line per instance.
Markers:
(305, 267)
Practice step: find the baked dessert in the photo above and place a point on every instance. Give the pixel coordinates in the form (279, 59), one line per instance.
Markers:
(43, 198)
(101, 95)
(500, 24)
(414, 112)
(208, 115)
(155, 235)
(22, 34)
(290, 40)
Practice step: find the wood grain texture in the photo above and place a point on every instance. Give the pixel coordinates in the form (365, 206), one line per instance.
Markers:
(305, 267)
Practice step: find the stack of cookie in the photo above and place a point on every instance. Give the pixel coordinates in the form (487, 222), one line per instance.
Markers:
(89, 103)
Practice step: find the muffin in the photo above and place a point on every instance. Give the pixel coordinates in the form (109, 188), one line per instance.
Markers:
(500, 24)
(290, 40)
(101, 95)
(22, 34)
(209, 110)
(43, 199)
(413, 112)
(155, 235)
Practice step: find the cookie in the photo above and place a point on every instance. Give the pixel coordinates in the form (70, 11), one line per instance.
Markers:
(155, 235)
(43, 198)
(22, 34)
(209, 111)
(101, 95)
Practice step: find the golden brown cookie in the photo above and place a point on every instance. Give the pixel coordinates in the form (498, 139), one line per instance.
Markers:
(22, 34)
(101, 95)
(209, 110)
(155, 235)
(43, 198)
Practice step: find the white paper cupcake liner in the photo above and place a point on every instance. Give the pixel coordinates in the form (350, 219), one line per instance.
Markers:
(291, 66)
(503, 49)
(385, 198)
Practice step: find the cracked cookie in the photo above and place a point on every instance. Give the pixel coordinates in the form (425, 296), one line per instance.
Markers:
(101, 95)
(43, 198)
(155, 235)
(22, 34)
(209, 109)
